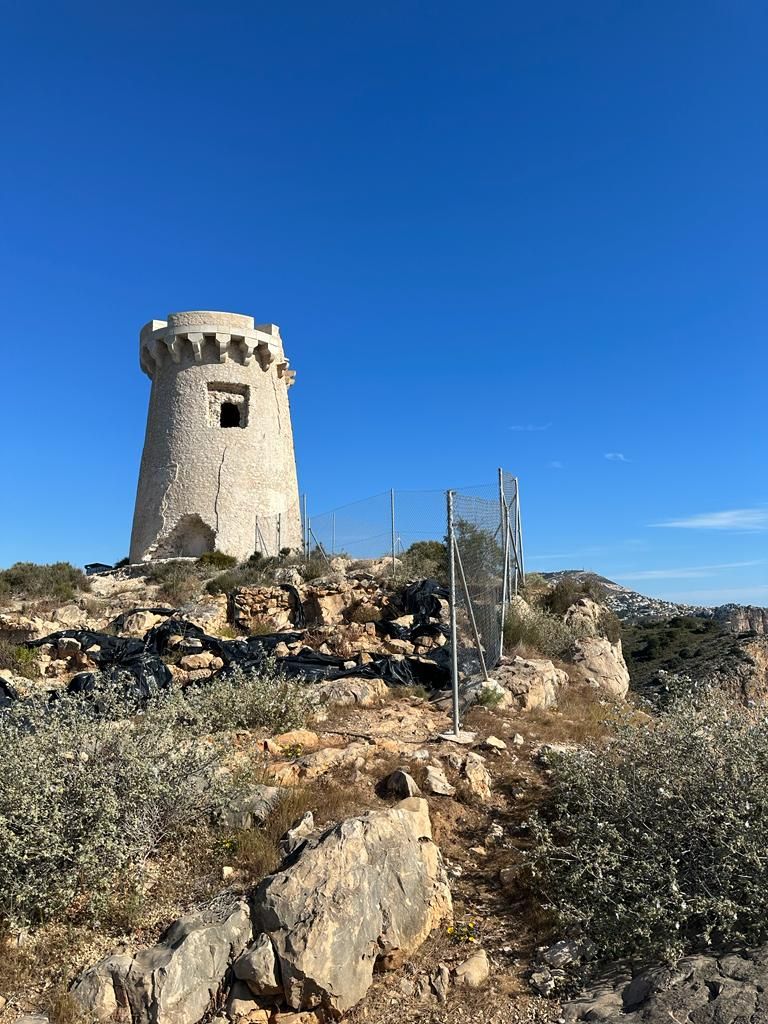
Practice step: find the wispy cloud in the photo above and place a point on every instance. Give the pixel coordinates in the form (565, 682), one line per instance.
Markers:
(732, 519)
(555, 464)
(531, 428)
(689, 573)
(616, 457)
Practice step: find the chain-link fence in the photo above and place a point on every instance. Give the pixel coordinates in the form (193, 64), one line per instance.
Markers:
(486, 569)
(469, 539)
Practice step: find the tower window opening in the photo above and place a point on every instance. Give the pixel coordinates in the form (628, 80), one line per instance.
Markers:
(230, 415)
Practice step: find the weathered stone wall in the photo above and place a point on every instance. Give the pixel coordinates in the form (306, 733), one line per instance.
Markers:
(203, 485)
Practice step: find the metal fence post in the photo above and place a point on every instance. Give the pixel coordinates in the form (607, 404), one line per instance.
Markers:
(503, 512)
(394, 543)
(305, 532)
(333, 533)
(452, 601)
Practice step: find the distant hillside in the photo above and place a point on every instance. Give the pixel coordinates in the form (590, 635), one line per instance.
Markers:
(630, 606)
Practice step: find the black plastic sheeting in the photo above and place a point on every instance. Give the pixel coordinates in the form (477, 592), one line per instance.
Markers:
(7, 694)
(139, 665)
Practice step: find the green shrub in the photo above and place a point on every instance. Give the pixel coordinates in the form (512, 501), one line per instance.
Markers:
(315, 567)
(256, 572)
(179, 581)
(19, 659)
(246, 699)
(540, 630)
(656, 844)
(426, 559)
(610, 625)
(29, 581)
(568, 590)
(84, 801)
(216, 560)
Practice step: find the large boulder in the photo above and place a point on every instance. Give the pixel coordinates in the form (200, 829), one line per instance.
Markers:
(602, 664)
(584, 617)
(174, 982)
(369, 887)
(533, 683)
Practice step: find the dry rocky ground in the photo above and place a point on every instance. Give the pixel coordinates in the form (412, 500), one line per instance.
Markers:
(450, 934)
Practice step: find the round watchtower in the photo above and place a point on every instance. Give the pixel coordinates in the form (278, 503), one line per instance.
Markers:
(218, 470)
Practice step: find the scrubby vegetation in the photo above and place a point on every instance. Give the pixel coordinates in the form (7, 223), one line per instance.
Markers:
(425, 559)
(31, 582)
(539, 631)
(216, 560)
(673, 657)
(180, 581)
(19, 659)
(656, 844)
(88, 797)
(568, 590)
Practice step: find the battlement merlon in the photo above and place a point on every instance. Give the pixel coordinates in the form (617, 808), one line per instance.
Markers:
(163, 339)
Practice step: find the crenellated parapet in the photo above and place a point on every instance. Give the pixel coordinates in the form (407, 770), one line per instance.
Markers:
(206, 336)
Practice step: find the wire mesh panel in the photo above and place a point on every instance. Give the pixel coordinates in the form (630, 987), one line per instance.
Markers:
(384, 525)
(361, 529)
(479, 555)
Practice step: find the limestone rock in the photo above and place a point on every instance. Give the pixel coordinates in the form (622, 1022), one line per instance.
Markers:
(475, 971)
(17, 628)
(488, 691)
(140, 622)
(602, 664)
(584, 617)
(705, 989)
(242, 1006)
(257, 967)
(478, 777)
(363, 693)
(371, 885)
(100, 989)
(250, 807)
(494, 743)
(401, 784)
(534, 683)
(175, 981)
(298, 834)
(436, 783)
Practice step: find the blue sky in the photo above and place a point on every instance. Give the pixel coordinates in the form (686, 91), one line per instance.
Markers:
(492, 234)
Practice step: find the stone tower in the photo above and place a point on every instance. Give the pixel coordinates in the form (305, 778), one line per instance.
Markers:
(218, 470)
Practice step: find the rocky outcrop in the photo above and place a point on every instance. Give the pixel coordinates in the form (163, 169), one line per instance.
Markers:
(584, 617)
(177, 980)
(372, 885)
(742, 618)
(602, 664)
(532, 682)
(366, 891)
(697, 990)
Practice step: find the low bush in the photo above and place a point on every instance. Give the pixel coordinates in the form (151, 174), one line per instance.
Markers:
(539, 630)
(610, 625)
(180, 581)
(89, 795)
(655, 845)
(426, 559)
(85, 800)
(570, 589)
(246, 699)
(29, 581)
(216, 560)
(19, 659)
(256, 572)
